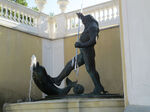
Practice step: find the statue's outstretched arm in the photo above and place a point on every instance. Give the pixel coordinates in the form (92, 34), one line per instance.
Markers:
(92, 33)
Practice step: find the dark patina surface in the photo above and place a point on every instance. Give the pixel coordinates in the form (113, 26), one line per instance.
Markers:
(86, 44)
(45, 84)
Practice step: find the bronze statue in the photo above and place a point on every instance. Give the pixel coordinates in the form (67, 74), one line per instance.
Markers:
(86, 44)
(45, 84)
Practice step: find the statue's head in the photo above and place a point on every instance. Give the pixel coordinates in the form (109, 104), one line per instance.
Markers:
(86, 19)
(38, 70)
(78, 89)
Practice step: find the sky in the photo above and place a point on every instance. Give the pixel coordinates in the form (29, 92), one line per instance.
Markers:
(52, 7)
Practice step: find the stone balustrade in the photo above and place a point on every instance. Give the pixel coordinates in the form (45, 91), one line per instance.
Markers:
(19, 17)
(66, 24)
(18, 13)
(106, 14)
(59, 26)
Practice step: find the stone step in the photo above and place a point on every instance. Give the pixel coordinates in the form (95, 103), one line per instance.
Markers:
(69, 105)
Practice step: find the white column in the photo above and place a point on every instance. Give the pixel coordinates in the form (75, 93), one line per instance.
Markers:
(53, 57)
(136, 34)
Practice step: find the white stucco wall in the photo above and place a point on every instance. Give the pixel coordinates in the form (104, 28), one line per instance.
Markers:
(136, 31)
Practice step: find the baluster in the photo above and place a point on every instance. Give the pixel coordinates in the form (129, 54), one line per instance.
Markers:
(102, 15)
(54, 27)
(35, 22)
(105, 13)
(68, 23)
(94, 14)
(26, 22)
(15, 16)
(30, 23)
(116, 6)
(108, 14)
(115, 12)
(72, 23)
(10, 15)
(22, 18)
(6, 14)
(19, 17)
(76, 22)
(97, 15)
(2, 10)
(112, 13)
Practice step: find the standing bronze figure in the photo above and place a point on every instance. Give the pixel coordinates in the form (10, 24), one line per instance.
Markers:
(86, 44)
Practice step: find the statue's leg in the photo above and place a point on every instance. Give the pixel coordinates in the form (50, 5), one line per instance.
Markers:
(68, 68)
(89, 59)
(66, 90)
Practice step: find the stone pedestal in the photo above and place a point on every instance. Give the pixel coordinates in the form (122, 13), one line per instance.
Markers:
(69, 105)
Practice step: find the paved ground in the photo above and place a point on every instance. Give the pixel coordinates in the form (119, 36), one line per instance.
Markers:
(137, 109)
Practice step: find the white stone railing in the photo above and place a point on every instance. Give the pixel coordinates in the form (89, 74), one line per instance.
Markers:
(65, 24)
(19, 17)
(18, 13)
(107, 14)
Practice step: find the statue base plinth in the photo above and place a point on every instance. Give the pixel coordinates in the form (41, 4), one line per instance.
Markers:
(83, 96)
(69, 105)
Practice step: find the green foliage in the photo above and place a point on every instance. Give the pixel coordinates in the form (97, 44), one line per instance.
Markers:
(22, 2)
(35, 8)
(51, 14)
